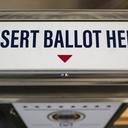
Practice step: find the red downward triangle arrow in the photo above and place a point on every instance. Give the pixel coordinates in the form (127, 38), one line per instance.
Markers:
(64, 58)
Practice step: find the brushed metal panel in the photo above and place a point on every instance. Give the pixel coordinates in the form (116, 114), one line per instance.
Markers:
(69, 14)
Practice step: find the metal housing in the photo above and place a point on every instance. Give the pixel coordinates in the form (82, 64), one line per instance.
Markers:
(66, 86)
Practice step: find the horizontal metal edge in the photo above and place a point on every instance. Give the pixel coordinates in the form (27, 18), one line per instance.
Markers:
(40, 74)
(52, 99)
(60, 78)
(68, 71)
(69, 14)
(63, 94)
(65, 82)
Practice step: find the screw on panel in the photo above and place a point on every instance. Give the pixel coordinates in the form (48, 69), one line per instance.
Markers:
(64, 75)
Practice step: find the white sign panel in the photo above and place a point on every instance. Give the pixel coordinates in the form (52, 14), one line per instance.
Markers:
(66, 115)
(63, 45)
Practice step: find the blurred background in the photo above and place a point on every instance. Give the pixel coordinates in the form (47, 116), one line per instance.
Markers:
(63, 4)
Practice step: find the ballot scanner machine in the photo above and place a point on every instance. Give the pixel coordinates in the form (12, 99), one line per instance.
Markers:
(64, 69)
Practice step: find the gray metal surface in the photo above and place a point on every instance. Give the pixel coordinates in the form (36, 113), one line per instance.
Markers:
(63, 78)
(61, 86)
(72, 14)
